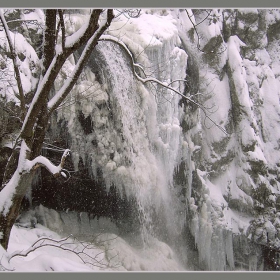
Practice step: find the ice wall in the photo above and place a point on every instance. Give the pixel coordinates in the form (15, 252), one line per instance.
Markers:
(233, 172)
(132, 134)
(189, 179)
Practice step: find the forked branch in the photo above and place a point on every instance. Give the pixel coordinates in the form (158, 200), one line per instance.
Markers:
(70, 82)
(83, 250)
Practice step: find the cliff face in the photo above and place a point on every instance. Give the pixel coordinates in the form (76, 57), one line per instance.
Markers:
(203, 180)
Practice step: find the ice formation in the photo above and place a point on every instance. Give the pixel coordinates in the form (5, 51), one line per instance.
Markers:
(203, 199)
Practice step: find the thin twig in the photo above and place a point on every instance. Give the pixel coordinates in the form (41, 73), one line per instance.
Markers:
(198, 36)
(61, 245)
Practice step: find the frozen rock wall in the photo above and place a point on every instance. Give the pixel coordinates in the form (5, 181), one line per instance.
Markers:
(181, 178)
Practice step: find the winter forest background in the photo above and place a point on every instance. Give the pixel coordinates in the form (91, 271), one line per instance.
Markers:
(139, 139)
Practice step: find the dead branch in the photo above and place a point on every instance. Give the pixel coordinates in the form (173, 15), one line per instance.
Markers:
(208, 15)
(84, 253)
(195, 30)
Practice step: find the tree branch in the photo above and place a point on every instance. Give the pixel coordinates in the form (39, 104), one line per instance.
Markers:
(154, 80)
(60, 12)
(194, 27)
(208, 14)
(15, 63)
(79, 39)
(70, 82)
(42, 161)
(36, 119)
(198, 37)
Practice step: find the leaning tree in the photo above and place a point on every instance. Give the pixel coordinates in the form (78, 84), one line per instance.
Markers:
(35, 114)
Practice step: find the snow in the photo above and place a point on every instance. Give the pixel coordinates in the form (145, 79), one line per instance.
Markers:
(141, 148)
(238, 71)
(148, 30)
(111, 252)
(257, 155)
(27, 67)
(248, 11)
(44, 259)
(75, 37)
(36, 15)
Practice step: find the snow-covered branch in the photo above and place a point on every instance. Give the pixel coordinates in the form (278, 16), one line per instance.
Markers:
(154, 80)
(68, 85)
(43, 161)
(25, 165)
(35, 121)
(85, 32)
(15, 63)
(91, 33)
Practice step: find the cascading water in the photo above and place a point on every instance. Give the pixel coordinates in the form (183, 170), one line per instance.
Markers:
(130, 135)
(149, 168)
(134, 136)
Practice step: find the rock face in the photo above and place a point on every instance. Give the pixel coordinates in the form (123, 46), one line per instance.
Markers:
(205, 180)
